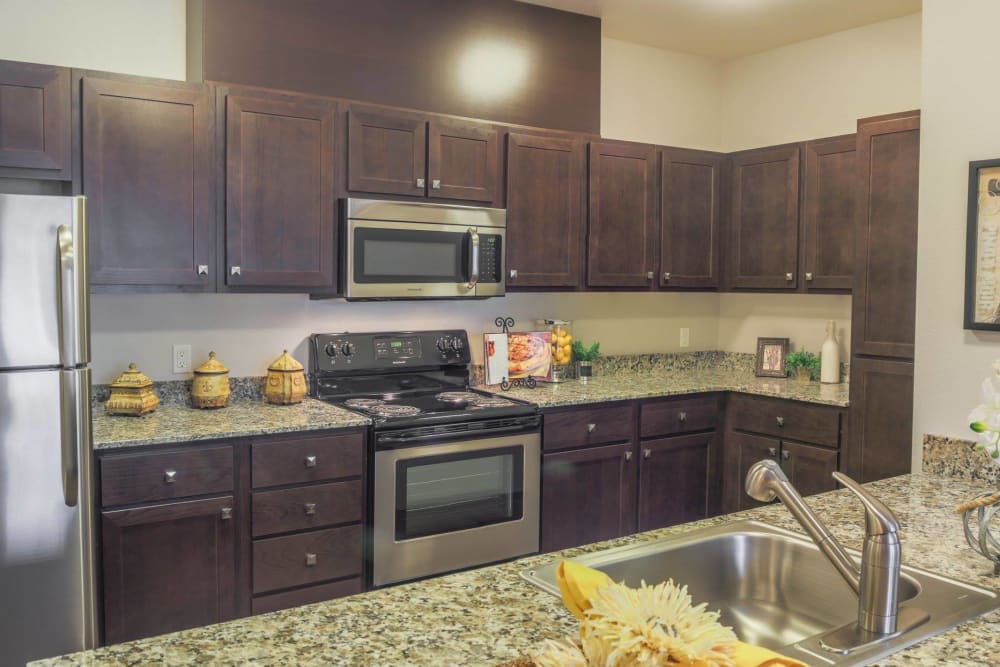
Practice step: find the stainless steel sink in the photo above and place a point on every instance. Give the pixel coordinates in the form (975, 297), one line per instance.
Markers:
(775, 589)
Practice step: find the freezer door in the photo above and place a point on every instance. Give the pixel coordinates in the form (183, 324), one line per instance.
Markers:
(45, 546)
(44, 307)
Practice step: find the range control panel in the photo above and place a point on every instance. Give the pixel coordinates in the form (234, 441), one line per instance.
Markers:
(350, 352)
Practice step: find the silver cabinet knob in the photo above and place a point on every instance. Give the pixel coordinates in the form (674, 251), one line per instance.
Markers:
(203, 269)
(310, 560)
(628, 456)
(420, 182)
(309, 508)
(646, 453)
(170, 476)
(436, 184)
(649, 275)
(781, 421)
(789, 276)
(809, 276)
(772, 451)
(513, 274)
(591, 428)
(682, 417)
(785, 454)
(311, 461)
(666, 276)
(227, 513)
(234, 271)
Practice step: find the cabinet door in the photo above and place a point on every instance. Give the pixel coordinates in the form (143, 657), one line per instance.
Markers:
(588, 495)
(745, 450)
(34, 121)
(463, 161)
(764, 222)
(386, 153)
(880, 443)
(885, 282)
(829, 188)
(147, 175)
(280, 208)
(677, 480)
(545, 224)
(168, 567)
(622, 237)
(809, 468)
(689, 218)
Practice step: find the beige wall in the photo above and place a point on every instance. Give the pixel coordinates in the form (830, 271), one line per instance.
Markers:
(951, 363)
(802, 318)
(821, 86)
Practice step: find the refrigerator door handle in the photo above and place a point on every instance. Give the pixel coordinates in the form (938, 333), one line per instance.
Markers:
(75, 427)
(72, 289)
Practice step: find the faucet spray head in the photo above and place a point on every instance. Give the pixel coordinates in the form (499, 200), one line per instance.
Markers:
(762, 478)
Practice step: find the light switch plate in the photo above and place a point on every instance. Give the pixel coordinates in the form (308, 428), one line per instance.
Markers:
(685, 337)
(182, 358)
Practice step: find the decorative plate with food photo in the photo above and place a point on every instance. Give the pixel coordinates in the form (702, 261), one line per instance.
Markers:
(529, 354)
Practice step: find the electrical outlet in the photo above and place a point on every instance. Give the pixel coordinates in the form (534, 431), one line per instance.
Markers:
(685, 337)
(182, 358)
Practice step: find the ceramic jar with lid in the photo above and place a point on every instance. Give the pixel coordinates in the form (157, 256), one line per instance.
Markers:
(132, 394)
(286, 381)
(210, 387)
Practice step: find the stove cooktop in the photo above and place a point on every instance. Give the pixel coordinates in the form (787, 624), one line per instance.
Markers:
(432, 406)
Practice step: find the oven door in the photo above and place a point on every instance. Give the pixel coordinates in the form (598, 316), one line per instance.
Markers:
(414, 260)
(449, 506)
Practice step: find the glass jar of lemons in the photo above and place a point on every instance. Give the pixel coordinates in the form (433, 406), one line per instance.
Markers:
(562, 354)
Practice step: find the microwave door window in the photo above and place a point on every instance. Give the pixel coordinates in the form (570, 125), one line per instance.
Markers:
(405, 256)
(444, 494)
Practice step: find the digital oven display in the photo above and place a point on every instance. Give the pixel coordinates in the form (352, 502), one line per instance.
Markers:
(397, 348)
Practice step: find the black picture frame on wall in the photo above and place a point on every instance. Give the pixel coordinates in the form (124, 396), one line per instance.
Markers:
(982, 247)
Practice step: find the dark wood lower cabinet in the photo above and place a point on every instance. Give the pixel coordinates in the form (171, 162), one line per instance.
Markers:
(880, 443)
(677, 480)
(168, 567)
(745, 450)
(588, 495)
(808, 467)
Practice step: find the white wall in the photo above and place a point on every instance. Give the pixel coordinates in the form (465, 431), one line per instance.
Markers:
(956, 127)
(802, 318)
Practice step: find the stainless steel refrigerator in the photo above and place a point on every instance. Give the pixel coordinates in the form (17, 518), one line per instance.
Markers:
(46, 535)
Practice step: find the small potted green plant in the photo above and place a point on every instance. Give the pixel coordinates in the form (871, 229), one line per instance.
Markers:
(804, 364)
(585, 356)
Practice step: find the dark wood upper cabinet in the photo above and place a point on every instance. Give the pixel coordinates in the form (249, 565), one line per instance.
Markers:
(764, 218)
(280, 222)
(148, 177)
(463, 161)
(678, 480)
(880, 443)
(829, 194)
(545, 222)
(34, 121)
(622, 236)
(386, 153)
(884, 313)
(689, 218)
(168, 567)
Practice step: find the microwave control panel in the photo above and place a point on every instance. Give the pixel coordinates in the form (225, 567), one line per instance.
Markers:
(490, 258)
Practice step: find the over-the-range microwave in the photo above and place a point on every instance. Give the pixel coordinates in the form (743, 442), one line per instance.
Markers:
(403, 250)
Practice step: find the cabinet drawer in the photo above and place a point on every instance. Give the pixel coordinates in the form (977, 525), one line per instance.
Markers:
(593, 425)
(312, 459)
(786, 419)
(304, 507)
(141, 478)
(678, 416)
(296, 560)
(309, 595)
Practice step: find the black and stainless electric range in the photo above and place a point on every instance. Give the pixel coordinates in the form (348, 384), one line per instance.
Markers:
(455, 472)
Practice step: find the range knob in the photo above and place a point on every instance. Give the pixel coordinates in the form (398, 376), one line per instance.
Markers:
(347, 349)
(442, 344)
(330, 349)
(457, 344)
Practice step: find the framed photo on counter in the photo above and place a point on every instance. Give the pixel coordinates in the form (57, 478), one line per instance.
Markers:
(982, 254)
(771, 357)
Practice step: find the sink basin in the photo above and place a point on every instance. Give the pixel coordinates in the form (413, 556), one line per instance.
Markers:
(775, 589)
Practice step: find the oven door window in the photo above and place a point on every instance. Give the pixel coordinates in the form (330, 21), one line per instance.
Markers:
(443, 494)
(384, 255)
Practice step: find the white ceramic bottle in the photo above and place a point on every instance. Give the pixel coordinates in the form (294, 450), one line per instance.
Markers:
(830, 356)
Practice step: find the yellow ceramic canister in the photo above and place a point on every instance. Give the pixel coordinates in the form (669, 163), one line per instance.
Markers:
(286, 381)
(132, 394)
(210, 387)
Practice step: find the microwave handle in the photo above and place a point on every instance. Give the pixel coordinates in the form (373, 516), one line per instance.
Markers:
(474, 259)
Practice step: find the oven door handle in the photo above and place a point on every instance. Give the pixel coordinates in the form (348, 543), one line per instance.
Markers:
(473, 259)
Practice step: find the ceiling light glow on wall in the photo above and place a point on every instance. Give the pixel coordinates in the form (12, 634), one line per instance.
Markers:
(492, 69)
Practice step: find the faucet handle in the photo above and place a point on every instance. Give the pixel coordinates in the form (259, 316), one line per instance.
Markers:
(879, 519)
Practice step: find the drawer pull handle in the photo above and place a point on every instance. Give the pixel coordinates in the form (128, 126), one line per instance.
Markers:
(682, 417)
(311, 461)
(789, 276)
(781, 421)
(809, 276)
(628, 456)
(170, 476)
(785, 454)
(591, 428)
(420, 182)
(310, 560)
(227, 513)
(772, 451)
(435, 183)
(310, 509)
(666, 277)
(646, 453)
(649, 275)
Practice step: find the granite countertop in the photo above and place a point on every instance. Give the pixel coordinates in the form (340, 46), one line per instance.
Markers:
(627, 384)
(178, 423)
(490, 615)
